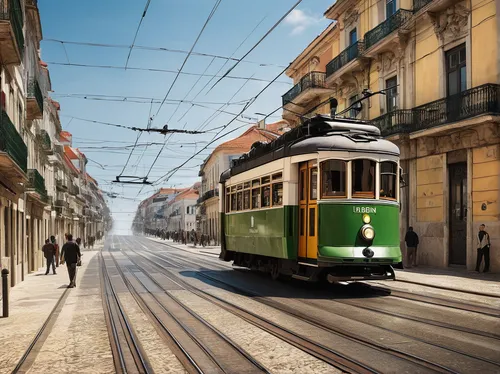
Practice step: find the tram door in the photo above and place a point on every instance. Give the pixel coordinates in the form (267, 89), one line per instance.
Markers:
(308, 210)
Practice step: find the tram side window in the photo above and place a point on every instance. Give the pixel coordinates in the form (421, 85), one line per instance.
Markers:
(363, 179)
(277, 194)
(333, 178)
(266, 196)
(239, 201)
(233, 202)
(228, 201)
(388, 175)
(256, 198)
(246, 199)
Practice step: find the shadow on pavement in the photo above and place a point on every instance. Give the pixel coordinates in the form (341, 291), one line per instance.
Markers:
(257, 284)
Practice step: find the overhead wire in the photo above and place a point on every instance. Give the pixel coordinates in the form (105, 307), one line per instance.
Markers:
(257, 44)
(222, 67)
(155, 70)
(207, 21)
(161, 49)
(169, 174)
(148, 2)
(141, 100)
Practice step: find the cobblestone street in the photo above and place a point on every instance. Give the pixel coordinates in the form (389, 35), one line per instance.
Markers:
(422, 308)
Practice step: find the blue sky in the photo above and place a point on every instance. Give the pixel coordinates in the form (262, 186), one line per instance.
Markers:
(172, 24)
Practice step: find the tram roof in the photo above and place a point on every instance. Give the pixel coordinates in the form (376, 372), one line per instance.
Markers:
(320, 133)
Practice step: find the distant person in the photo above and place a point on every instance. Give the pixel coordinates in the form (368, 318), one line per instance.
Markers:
(53, 241)
(71, 254)
(411, 239)
(483, 249)
(49, 252)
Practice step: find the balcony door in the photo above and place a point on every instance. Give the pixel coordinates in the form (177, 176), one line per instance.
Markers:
(456, 81)
(353, 39)
(390, 8)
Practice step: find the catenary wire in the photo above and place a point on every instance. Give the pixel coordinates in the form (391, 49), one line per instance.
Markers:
(146, 7)
(257, 44)
(155, 70)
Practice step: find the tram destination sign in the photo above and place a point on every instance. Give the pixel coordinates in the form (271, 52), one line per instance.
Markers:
(364, 209)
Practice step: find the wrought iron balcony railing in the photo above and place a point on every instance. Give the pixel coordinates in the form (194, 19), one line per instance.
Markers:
(347, 55)
(398, 121)
(470, 103)
(37, 183)
(314, 79)
(481, 100)
(12, 143)
(208, 195)
(391, 24)
(62, 184)
(45, 140)
(34, 91)
(11, 10)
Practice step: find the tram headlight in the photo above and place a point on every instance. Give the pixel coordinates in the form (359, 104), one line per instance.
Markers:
(366, 218)
(368, 232)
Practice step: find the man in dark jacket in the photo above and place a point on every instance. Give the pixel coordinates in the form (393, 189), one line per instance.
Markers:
(70, 253)
(411, 240)
(49, 251)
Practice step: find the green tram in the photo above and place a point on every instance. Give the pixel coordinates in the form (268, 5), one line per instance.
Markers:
(320, 202)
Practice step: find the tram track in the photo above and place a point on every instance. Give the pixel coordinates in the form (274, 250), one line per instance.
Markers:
(204, 348)
(128, 354)
(278, 330)
(29, 356)
(421, 320)
(388, 291)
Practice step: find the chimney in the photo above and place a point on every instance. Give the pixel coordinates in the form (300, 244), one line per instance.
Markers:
(262, 124)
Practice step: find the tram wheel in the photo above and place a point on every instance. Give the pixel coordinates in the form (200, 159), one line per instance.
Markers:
(275, 269)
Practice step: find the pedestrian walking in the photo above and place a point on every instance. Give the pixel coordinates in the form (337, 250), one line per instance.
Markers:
(56, 256)
(411, 239)
(70, 253)
(49, 252)
(483, 249)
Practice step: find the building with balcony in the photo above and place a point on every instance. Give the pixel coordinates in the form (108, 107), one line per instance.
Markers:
(437, 62)
(219, 161)
(37, 196)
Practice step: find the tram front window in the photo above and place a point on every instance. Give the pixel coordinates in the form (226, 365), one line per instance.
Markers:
(363, 179)
(333, 178)
(388, 175)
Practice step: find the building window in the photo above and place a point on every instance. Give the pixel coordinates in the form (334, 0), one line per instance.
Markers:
(353, 36)
(333, 178)
(456, 74)
(363, 178)
(391, 86)
(390, 8)
(353, 113)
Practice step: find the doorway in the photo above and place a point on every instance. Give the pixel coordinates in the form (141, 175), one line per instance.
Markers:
(308, 210)
(458, 213)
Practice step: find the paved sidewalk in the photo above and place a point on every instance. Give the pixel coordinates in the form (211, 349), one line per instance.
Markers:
(79, 333)
(459, 279)
(454, 279)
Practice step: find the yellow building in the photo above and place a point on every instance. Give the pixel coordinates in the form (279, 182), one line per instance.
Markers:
(439, 63)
